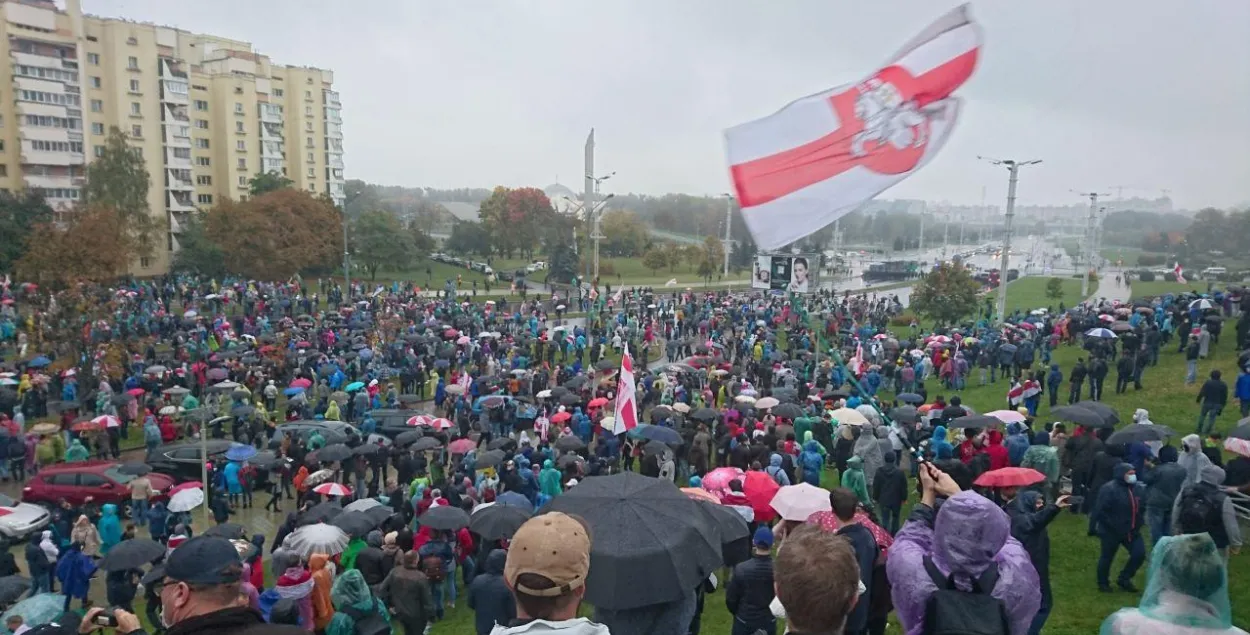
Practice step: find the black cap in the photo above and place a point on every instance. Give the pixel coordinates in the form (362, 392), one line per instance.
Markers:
(204, 560)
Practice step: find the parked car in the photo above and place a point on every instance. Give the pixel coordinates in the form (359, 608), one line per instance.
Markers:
(103, 481)
(332, 432)
(184, 461)
(19, 520)
(392, 422)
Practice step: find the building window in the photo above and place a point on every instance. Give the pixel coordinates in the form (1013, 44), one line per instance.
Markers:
(240, 145)
(99, 151)
(97, 128)
(182, 153)
(203, 179)
(46, 121)
(60, 99)
(311, 158)
(134, 85)
(203, 161)
(307, 111)
(97, 105)
(201, 144)
(135, 108)
(136, 132)
(54, 146)
(242, 164)
(95, 82)
(202, 124)
(238, 108)
(277, 92)
(242, 181)
(312, 173)
(204, 199)
(201, 106)
(238, 127)
(93, 59)
(309, 143)
(137, 150)
(308, 126)
(133, 63)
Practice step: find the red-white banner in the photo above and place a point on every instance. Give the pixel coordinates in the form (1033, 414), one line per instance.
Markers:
(823, 156)
(626, 410)
(1180, 273)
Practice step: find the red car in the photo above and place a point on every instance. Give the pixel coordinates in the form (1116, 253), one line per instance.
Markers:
(101, 480)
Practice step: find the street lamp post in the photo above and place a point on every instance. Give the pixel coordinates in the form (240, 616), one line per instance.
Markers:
(1013, 169)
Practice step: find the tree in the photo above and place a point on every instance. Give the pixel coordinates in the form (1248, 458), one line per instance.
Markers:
(946, 294)
(557, 242)
(266, 182)
(379, 239)
(276, 235)
(1054, 289)
(197, 252)
(713, 252)
(693, 255)
(624, 234)
(118, 178)
(898, 244)
(468, 238)
(95, 246)
(513, 218)
(655, 259)
(19, 215)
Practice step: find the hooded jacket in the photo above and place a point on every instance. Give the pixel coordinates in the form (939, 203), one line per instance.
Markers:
(812, 461)
(1043, 457)
(322, 579)
(110, 528)
(853, 479)
(549, 479)
(407, 591)
(351, 594)
(37, 562)
(76, 452)
(1192, 459)
(889, 487)
(1164, 481)
(489, 597)
(1227, 532)
(963, 538)
(371, 561)
(940, 444)
(669, 617)
(86, 534)
(774, 470)
(1028, 525)
(1118, 509)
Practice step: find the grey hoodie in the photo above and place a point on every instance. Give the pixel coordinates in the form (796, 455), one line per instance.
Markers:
(577, 626)
(1214, 476)
(1192, 458)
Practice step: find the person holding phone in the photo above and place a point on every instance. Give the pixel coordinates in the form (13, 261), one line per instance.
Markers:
(1030, 517)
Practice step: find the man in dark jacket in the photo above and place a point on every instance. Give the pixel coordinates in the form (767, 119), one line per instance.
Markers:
(844, 502)
(1204, 507)
(1078, 456)
(1030, 516)
(371, 561)
(1164, 480)
(1097, 375)
(407, 592)
(1117, 521)
(1213, 396)
(750, 590)
(1123, 373)
(1076, 379)
(889, 489)
(489, 597)
(1053, 379)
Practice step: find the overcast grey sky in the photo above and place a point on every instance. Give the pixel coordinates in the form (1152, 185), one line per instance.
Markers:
(1149, 94)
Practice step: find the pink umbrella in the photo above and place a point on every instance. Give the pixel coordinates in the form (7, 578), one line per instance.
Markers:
(450, 333)
(461, 446)
(717, 480)
(333, 489)
(441, 423)
(798, 502)
(1007, 416)
(302, 382)
(106, 421)
(420, 420)
(828, 522)
(135, 392)
(464, 339)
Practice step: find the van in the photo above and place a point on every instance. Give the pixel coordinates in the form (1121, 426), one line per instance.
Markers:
(1211, 272)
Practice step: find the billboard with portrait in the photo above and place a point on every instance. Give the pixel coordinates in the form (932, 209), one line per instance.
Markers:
(788, 273)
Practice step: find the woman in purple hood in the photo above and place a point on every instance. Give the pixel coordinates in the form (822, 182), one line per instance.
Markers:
(966, 535)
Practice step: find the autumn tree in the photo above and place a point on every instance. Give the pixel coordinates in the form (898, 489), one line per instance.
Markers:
(713, 252)
(514, 218)
(20, 214)
(468, 238)
(945, 295)
(94, 246)
(655, 259)
(276, 235)
(266, 182)
(624, 234)
(118, 178)
(378, 239)
(693, 255)
(197, 252)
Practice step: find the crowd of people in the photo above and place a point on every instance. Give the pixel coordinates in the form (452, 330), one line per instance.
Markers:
(746, 398)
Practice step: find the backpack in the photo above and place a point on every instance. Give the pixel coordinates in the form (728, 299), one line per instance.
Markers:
(1201, 511)
(432, 566)
(950, 611)
(367, 623)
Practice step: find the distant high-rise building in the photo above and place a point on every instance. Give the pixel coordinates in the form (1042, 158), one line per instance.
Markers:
(207, 113)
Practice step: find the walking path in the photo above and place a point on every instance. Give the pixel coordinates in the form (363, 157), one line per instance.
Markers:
(1111, 289)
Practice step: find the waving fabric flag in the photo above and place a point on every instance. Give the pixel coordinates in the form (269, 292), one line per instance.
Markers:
(1180, 273)
(821, 157)
(626, 411)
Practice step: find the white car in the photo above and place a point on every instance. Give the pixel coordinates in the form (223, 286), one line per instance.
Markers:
(18, 520)
(537, 266)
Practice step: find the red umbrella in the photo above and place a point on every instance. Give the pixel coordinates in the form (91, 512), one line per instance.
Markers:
(1010, 477)
(85, 426)
(135, 392)
(760, 488)
(302, 382)
(561, 417)
(461, 446)
(828, 522)
(597, 402)
(420, 420)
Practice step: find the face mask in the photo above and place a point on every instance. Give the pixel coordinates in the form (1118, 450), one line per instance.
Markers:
(777, 609)
(1130, 479)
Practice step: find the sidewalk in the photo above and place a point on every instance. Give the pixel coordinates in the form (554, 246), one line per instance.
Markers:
(1109, 289)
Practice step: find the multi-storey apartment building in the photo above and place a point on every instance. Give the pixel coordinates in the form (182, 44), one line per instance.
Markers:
(207, 113)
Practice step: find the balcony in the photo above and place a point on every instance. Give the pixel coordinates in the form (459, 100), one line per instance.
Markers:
(178, 179)
(179, 203)
(331, 98)
(334, 161)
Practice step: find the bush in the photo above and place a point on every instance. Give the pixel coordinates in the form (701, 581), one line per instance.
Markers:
(1170, 276)
(1150, 260)
(1093, 276)
(1146, 276)
(903, 319)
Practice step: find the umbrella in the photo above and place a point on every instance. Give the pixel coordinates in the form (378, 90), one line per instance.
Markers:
(1140, 433)
(1079, 415)
(341, 397)
(660, 434)
(502, 443)
(975, 422)
(1101, 333)
(39, 362)
(425, 444)
(334, 452)
(850, 417)
(905, 414)
(1121, 327)
(497, 521)
(1242, 431)
(122, 399)
(681, 407)
(363, 505)
(318, 477)
(366, 449)
(444, 517)
(186, 500)
(136, 469)
(176, 391)
(788, 411)
(1201, 303)
(242, 411)
(766, 402)
(302, 382)
(797, 502)
(1010, 477)
(240, 452)
(354, 386)
(185, 486)
(333, 489)
(1006, 416)
(223, 385)
(355, 523)
(1240, 447)
(38, 610)
(644, 529)
(567, 460)
(735, 533)
(569, 443)
(461, 446)
(1101, 409)
(490, 458)
(318, 538)
(229, 531)
(561, 417)
(46, 427)
(13, 586)
(320, 513)
(168, 410)
(707, 414)
(760, 488)
(408, 438)
(292, 391)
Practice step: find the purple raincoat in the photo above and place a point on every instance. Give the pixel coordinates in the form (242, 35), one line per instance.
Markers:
(969, 532)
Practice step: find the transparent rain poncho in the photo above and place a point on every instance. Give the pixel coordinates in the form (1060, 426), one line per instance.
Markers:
(1186, 592)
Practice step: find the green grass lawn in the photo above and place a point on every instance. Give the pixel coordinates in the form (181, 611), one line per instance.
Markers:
(1163, 287)
(1027, 294)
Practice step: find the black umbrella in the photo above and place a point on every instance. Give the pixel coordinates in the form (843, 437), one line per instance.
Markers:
(559, 391)
(134, 469)
(501, 443)
(379, 514)
(787, 411)
(910, 398)
(265, 460)
(605, 364)
(1140, 433)
(497, 521)
(645, 530)
(408, 398)
(576, 382)
(334, 452)
(569, 443)
(424, 443)
(705, 414)
(567, 460)
(1101, 409)
(409, 437)
(905, 414)
(489, 458)
(444, 517)
(12, 587)
(366, 449)
(354, 523)
(1242, 430)
(1080, 416)
(320, 513)
(570, 399)
(242, 411)
(735, 533)
(230, 531)
(660, 412)
(974, 421)
(841, 393)
(132, 554)
(122, 399)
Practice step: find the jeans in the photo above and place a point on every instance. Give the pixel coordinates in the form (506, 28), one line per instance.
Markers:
(1054, 395)
(1245, 408)
(139, 511)
(1160, 523)
(889, 518)
(1121, 384)
(1136, 546)
(1191, 371)
(1213, 410)
(1043, 611)
(1074, 394)
(41, 583)
(742, 628)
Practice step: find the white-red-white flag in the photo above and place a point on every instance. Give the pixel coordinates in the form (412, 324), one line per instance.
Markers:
(1180, 273)
(626, 410)
(824, 155)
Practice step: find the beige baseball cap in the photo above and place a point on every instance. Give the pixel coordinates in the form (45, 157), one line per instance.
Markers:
(555, 546)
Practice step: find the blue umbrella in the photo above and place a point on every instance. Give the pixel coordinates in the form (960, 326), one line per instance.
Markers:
(294, 390)
(39, 362)
(240, 452)
(514, 499)
(356, 385)
(660, 433)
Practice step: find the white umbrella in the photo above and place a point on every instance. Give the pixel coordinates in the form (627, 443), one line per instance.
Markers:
(681, 407)
(1100, 332)
(317, 538)
(847, 416)
(225, 385)
(364, 504)
(1007, 416)
(186, 500)
(169, 410)
(766, 402)
(744, 399)
(797, 502)
(559, 307)
(543, 394)
(672, 282)
(1201, 303)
